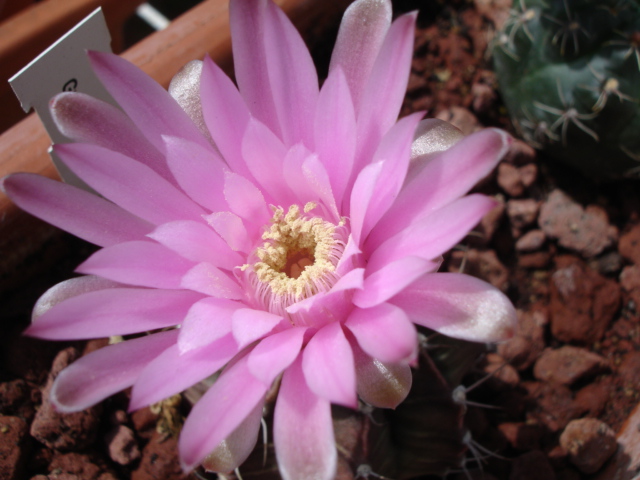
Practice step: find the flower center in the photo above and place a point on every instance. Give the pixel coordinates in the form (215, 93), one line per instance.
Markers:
(297, 259)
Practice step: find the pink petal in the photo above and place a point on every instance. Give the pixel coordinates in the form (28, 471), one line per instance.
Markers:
(106, 371)
(232, 398)
(384, 332)
(249, 325)
(245, 200)
(434, 234)
(140, 263)
(294, 175)
(459, 306)
(230, 227)
(363, 191)
(226, 114)
(445, 178)
(85, 215)
(264, 155)
(148, 104)
(210, 280)
(128, 183)
(114, 311)
(394, 151)
(172, 372)
(85, 119)
(362, 31)
(67, 289)
(382, 385)
(318, 180)
(335, 131)
(383, 284)
(327, 362)
(196, 242)
(303, 430)
(199, 171)
(292, 77)
(237, 447)
(207, 321)
(386, 87)
(275, 353)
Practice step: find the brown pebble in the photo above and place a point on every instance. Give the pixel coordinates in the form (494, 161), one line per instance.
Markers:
(503, 375)
(531, 241)
(489, 224)
(630, 282)
(481, 264)
(522, 213)
(591, 399)
(522, 436)
(122, 444)
(14, 447)
(532, 466)
(629, 245)
(590, 443)
(527, 344)
(484, 97)
(534, 259)
(554, 407)
(520, 154)
(462, 118)
(159, 460)
(79, 466)
(509, 179)
(629, 369)
(144, 422)
(567, 365)
(586, 231)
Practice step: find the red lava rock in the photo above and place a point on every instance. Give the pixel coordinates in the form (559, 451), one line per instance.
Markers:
(64, 431)
(591, 399)
(629, 369)
(14, 434)
(79, 466)
(589, 442)
(630, 282)
(586, 231)
(527, 344)
(567, 365)
(629, 245)
(553, 404)
(509, 179)
(123, 447)
(481, 264)
(533, 465)
(534, 260)
(521, 436)
(522, 213)
(503, 375)
(528, 174)
(15, 399)
(583, 302)
(159, 460)
(461, 118)
(531, 241)
(144, 422)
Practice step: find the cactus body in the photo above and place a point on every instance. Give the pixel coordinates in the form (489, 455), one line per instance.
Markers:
(569, 73)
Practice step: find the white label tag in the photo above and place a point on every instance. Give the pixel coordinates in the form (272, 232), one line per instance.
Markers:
(64, 66)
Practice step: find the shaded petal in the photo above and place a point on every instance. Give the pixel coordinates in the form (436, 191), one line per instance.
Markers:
(101, 373)
(386, 87)
(231, 399)
(226, 114)
(335, 132)
(327, 362)
(443, 179)
(237, 447)
(362, 31)
(207, 321)
(361, 196)
(435, 234)
(390, 279)
(210, 280)
(249, 325)
(149, 105)
(196, 242)
(128, 183)
(199, 172)
(244, 199)
(382, 385)
(385, 333)
(459, 306)
(172, 372)
(145, 264)
(230, 227)
(185, 89)
(303, 430)
(67, 289)
(431, 137)
(85, 119)
(275, 353)
(84, 215)
(114, 311)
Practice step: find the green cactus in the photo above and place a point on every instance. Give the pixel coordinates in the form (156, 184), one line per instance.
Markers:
(569, 74)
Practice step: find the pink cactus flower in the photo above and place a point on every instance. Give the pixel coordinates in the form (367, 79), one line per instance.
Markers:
(273, 229)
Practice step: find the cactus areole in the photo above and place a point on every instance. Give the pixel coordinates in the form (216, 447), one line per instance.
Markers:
(569, 73)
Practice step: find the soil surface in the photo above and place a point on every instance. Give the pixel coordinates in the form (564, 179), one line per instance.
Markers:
(561, 393)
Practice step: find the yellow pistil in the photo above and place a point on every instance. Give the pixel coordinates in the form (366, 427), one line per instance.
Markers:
(297, 259)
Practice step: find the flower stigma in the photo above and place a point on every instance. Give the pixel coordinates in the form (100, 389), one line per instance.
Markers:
(297, 259)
